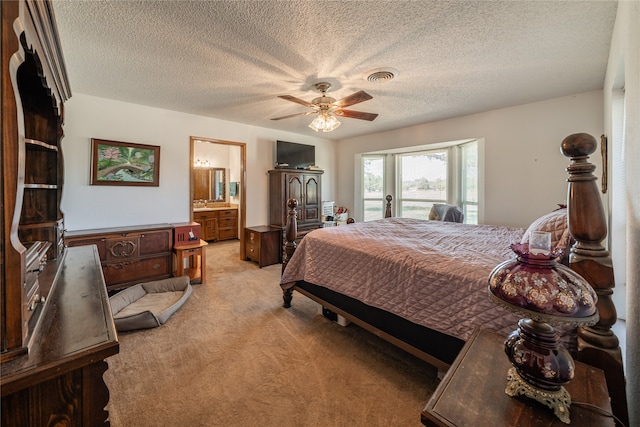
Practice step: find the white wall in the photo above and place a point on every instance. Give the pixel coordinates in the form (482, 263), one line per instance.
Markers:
(221, 156)
(624, 66)
(216, 154)
(525, 173)
(87, 206)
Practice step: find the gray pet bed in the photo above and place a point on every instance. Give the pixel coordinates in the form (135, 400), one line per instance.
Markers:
(148, 305)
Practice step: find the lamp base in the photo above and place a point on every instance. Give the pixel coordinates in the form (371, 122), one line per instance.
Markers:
(559, 400)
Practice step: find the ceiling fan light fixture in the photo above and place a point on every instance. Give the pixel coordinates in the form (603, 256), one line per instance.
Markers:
(324, 122)
(327, 108)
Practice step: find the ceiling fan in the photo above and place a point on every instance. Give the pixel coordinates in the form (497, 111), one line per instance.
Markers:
(327, 108)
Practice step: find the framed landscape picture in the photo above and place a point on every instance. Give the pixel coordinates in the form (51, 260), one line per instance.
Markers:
(124, 163)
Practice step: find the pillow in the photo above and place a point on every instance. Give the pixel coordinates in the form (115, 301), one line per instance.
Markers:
(433, 215)
(445, 212)
(555, 223)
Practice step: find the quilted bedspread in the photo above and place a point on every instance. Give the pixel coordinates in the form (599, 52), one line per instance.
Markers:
(432, 273)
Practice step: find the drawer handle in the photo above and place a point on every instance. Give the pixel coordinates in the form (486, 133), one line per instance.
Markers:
(123, 264)
(37, 270)
(124, 248)
(156, 266)
(37, 299)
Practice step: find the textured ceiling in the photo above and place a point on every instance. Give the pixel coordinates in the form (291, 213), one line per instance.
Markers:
(231, 59)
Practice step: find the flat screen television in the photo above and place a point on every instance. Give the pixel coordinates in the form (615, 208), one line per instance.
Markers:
(291, 155)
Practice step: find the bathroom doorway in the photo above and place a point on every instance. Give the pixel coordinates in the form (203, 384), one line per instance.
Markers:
(231, 156)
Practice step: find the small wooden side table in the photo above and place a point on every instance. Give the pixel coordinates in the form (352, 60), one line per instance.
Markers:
(195, 266)
(264, 244)
(472, 392)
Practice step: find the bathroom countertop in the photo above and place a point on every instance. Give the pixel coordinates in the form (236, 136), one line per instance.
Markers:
(217, 208)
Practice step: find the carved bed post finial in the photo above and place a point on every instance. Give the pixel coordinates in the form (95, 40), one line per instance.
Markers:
(387, 211)
(597, 345)
(290, 234)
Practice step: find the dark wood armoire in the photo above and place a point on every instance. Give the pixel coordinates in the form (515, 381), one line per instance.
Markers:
(303, 185)
(55, 322)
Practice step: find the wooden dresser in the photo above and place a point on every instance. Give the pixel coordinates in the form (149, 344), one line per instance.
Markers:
(218, 223)
(59, 381)
(129, 255)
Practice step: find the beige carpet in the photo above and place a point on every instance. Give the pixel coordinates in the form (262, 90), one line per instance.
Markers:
(232, 356)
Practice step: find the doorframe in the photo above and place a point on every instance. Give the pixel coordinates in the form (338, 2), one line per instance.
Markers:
(243, 176)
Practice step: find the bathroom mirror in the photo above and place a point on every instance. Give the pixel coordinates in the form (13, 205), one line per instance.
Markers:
(209, 184)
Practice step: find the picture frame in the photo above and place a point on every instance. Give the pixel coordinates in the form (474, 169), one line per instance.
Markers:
(124, 163)
(605, 163)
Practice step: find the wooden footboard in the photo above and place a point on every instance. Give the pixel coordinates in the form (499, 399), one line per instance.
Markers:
(291, 232)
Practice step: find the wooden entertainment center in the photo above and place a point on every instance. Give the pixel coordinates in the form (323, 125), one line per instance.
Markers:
(55, 322)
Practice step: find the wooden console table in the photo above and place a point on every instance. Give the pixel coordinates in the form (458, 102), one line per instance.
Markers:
(472, 392)
(195, 256)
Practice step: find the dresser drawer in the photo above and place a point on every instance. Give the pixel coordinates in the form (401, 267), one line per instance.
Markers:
(201, 216)
(155, 242)
(126, 246)
(227, 233)
(253, 252)
(228, 213)
(227, 222)
(252, 237)
(100, 242)
(127, 272)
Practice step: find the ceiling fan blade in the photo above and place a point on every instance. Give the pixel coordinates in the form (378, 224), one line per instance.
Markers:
(354, 98)
(296, 100)
(294, 115)
(356, 114)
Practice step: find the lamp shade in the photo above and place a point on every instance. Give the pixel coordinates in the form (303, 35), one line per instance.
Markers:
(324, 122)
(539, 288)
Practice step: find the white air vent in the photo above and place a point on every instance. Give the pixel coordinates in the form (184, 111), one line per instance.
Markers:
(381, 75)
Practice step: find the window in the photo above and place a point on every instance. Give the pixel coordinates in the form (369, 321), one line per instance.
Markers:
(469, 181)
(449, 173)
(423, 182)
(373, 187)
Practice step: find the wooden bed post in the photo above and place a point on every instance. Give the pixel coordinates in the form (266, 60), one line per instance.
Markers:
(597, 345)
(290, 234)
(387, 211)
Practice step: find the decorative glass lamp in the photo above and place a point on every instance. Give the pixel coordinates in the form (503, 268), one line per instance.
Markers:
(545, 293)
(324, 122)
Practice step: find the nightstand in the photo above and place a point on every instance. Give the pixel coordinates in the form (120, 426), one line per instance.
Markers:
(193, 254)
(263, 244)
(472, 392)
